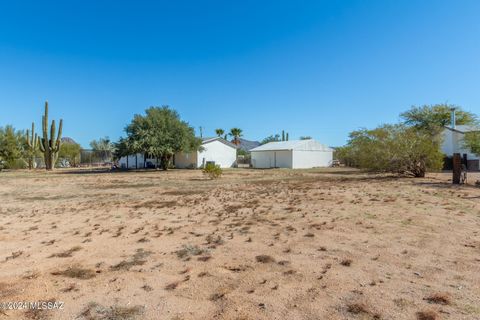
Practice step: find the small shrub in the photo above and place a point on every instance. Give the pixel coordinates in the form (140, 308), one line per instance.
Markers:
(264, 259)
(213, 171)
(427, 315)
(438, 298)
(75, 272)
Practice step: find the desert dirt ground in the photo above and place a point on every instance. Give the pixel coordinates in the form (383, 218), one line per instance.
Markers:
(254, 244)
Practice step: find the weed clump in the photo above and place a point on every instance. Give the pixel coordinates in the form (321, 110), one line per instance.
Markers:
(76, 272)
(264, 259)
(212, 171)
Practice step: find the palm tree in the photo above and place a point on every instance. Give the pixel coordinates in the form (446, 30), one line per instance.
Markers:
(236, 133)
(219, 132)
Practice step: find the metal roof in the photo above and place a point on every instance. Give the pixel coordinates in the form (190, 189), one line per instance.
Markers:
(228, 143)
(464, 128)
(300, 145)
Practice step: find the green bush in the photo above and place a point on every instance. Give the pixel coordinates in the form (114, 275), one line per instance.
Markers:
(213, 171)
(393, 148)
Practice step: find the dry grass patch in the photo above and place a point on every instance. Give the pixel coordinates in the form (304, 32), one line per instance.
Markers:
(439, 298)
(172, 286)
(14, 255)
(76, 272)
(95, 311)
(137, 259)
(427, 315)
(263, 258)
(67, 253)
(360, 308)
(189, 250)
(182, 192)
(346, 262)
(216, 296)
(154, 204)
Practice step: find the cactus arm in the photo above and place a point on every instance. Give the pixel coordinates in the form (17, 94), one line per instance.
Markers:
(40, 145)
(60, 128)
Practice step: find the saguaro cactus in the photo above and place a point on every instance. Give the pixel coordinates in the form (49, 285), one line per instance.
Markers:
(32, 143)
(50, 146)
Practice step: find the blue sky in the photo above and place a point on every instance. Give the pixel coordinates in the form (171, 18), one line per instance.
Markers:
(318, 68)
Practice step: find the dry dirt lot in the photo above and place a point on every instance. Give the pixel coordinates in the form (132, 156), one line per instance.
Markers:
(273, 244)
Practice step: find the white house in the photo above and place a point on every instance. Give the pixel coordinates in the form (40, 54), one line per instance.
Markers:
(216, 150)
(294, 154)
(452, 142)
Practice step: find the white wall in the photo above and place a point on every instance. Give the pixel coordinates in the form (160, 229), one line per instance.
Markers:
(296, 159)
(311, 159)
(131, 161)
(262, 159)
(272, 159)
(223, 155)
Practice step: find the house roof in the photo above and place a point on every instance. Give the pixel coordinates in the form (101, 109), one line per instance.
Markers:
(300, 145)
(464, 128)
(211, 139)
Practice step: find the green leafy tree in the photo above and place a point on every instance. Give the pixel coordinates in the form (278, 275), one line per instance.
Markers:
(471, 141)
(160, 133)
(12, 147)
(236, 133)
(432, 118)
(393, 148)
(104, 146)
(70, 151)
(122, 149)
(220, 132)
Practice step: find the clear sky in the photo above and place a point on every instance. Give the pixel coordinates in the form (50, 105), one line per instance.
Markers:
(318, 68)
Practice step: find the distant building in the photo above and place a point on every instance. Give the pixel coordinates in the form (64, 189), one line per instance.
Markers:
(452, 142)
(215, 150)
(294, 154)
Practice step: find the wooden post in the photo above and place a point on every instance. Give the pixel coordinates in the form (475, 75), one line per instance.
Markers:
(457, 168)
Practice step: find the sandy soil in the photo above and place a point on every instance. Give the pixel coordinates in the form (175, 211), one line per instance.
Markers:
(274, 244)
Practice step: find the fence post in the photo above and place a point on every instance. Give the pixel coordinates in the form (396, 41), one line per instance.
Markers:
(457, 168)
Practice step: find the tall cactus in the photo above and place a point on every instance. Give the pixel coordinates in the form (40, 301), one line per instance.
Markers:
(32, 145)
(50, 146)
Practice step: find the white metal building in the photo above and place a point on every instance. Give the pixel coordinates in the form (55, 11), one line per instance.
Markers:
(216, 150)
(294, 154)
